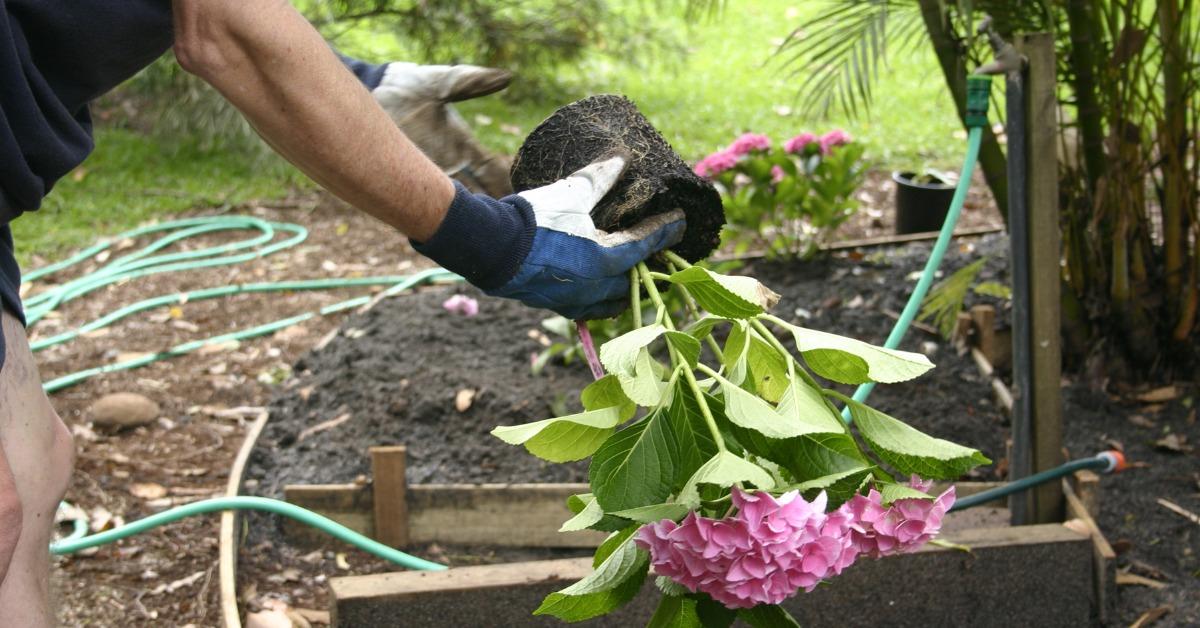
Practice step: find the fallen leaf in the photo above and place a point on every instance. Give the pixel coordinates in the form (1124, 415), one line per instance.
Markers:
(313, 615)
(464, 399)
(218, 347)
(1141, 421)
(1159, 395)
(147, 490)
(342, 228)
(1173, 442)
(290, 333)
(314, 557)
(341, 562)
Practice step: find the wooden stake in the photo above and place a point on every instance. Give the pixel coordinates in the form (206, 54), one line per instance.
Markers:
(1045, 274)
(984, 319)
(388, 466)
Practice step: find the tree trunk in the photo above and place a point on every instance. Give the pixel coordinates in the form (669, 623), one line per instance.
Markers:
(950, 58)
(1172, 137)
(1083, 59)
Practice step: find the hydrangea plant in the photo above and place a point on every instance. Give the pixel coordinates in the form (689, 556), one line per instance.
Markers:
(788, 198)
(729, 473)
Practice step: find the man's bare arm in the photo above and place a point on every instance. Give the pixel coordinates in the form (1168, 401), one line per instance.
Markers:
(270, 63)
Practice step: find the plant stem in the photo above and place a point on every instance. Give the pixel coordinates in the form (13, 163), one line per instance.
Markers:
(635, 297)
(674, 258)
(589, 348)
(656, 298)
(770, 338)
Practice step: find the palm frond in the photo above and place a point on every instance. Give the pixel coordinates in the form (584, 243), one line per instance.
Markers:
(946, 299)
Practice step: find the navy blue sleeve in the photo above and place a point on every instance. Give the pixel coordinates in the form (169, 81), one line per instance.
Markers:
(481, 238)
(369, 73)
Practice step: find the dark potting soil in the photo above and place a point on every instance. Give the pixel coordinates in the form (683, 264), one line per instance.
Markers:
(656, 179)
(397, 368)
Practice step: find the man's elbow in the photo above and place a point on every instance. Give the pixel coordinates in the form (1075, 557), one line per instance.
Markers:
(204, 40)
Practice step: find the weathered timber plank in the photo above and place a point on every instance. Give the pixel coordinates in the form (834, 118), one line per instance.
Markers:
(390, 490)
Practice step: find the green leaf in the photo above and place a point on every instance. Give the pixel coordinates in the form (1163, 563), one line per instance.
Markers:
(702, 328)
(748, 411)
(588, 516)
(839, 487)
(768, 370)
(610, 585)
(563, 439)
(818, 455)
(802, 402)
(692, 433)
(606, 393)
(612, 543)
(558, 325)
(726, 296)
(675, 612)
(657, 512)
(767, 616)
(890, 492)
(645, 386)
(849, 361)
(724, 469)
(687, 346)
(994, 289)
(911, 451)
(637, 465)
(714, 614)
(620, 354)
(669, 587)
(733, 354)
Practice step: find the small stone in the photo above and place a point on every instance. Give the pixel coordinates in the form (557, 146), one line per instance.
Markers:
(123, 410)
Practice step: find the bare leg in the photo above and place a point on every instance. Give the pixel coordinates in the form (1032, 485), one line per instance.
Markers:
(40, 454)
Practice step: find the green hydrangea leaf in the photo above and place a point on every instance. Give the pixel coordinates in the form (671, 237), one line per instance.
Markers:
(645, 386)
(589, 515)
(724, 469)
(734, 353)
(620, 354)
(656, 512)
(751, 412)
(911, 451)
(565, 438)
(768, 370)
(692, 433)
(675, 612)
(636, 466)
(767, 616)
(890, 492)
(849, 361)
(801, 402)
(702, 328)
(687, 346)
(839, 487)
(610, 585)
(726, 296)
(606, 393)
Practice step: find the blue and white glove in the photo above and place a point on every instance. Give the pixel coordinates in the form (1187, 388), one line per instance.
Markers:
(542, 248)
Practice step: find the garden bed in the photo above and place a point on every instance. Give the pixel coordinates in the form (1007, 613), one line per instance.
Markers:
(398, 369)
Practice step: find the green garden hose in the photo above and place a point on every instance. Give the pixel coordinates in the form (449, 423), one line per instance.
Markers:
(1106, 462)
(275, 506)
(978, 91)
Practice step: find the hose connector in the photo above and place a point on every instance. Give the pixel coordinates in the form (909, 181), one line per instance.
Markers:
(1116, 461)
(979, 93)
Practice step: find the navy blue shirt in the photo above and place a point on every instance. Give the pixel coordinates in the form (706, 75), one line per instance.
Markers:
(55, 57)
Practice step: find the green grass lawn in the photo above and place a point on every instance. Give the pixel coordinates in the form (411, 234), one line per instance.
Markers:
(726, 84)
(131, 178)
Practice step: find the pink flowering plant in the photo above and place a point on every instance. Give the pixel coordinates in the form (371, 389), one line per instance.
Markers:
(721, 464)
(790, 198)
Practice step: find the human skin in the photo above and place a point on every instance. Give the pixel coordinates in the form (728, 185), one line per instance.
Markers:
(39, 453)
(274, 67)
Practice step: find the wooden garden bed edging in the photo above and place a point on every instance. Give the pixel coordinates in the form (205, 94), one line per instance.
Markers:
(227, 550)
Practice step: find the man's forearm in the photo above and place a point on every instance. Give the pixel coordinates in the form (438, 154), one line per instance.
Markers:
(266, 59)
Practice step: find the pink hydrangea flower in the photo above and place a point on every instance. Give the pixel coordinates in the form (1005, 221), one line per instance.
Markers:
(797, 144)
(749, 142)
(461, 304)
(777, 174)
(902, 527)
(762, 555)
(716, 163)
(836, 137)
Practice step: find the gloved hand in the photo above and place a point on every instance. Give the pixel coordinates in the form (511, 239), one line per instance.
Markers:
(542, 248)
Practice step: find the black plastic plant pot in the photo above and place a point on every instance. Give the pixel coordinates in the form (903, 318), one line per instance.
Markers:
(656, 181)
(921, 206)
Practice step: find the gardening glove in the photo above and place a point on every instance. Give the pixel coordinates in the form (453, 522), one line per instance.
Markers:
(542, 248)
